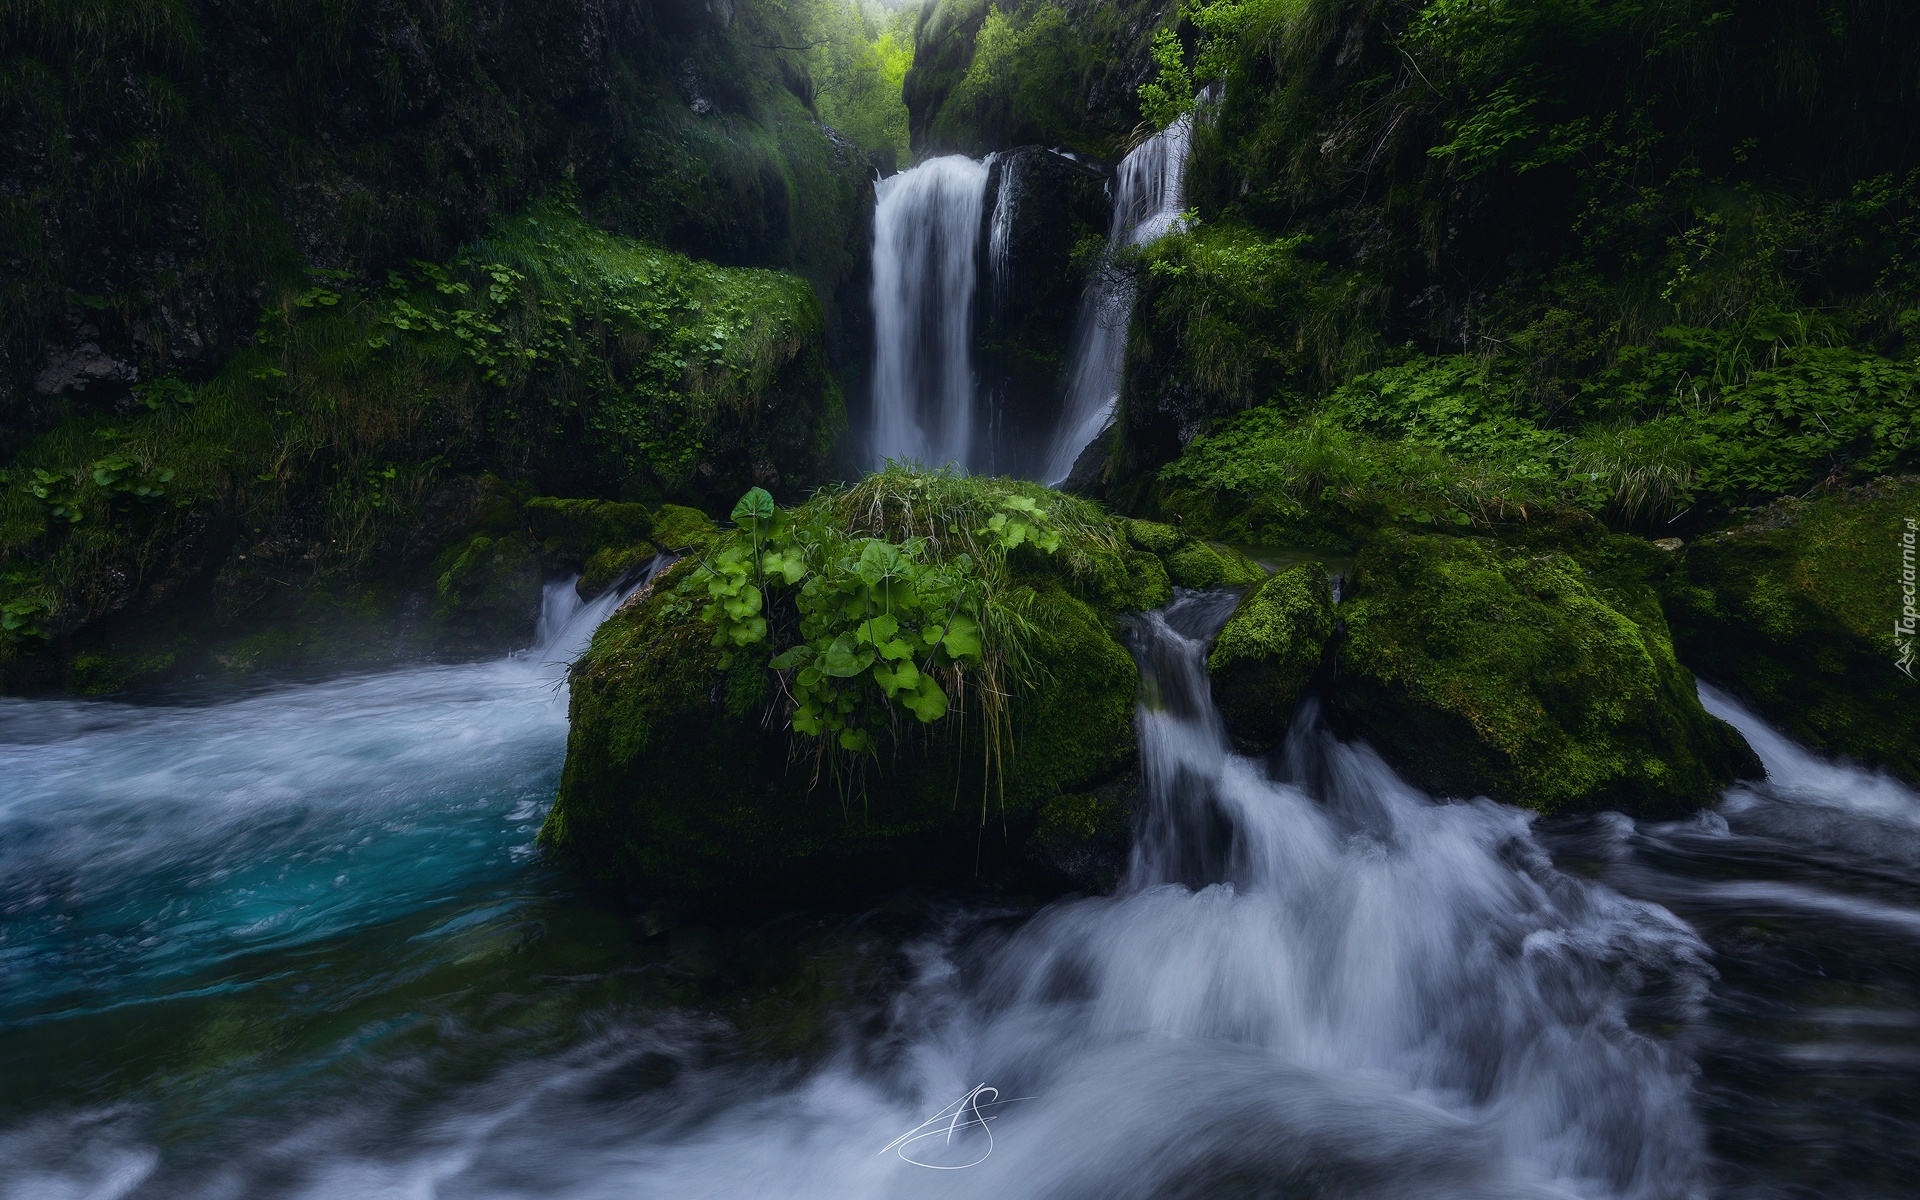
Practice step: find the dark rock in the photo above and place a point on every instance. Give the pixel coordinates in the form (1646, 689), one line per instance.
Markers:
(1807, 612)
(1040, 208)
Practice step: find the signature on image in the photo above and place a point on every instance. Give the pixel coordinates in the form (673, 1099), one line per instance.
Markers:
(952, 1126)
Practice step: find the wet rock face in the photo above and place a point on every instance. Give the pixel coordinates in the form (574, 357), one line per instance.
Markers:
(1478, 669)
(1799, 613)
(1042, 212)
(1267, 654)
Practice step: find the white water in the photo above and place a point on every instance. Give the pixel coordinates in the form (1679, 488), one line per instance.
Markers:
(1328, 986)
(1149, 192)
(1000, 230)
(140, 844)
(926, 228)
(1313, 980)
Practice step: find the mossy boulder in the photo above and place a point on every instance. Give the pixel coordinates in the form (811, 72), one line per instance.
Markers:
(1085, 837)
(679, 779)
(680, 529)
(1268, 652)
(1476, 668)
(574, 530)
(488, 591)
(1192, 563)
(1799, 612)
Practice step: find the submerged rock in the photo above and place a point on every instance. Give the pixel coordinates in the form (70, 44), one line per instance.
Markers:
(1268, 652)
(1800, 612)
(1476, 668)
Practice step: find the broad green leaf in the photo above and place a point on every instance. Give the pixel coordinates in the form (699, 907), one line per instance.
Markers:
(962, 639)
(926, 701)
(895, 650)
(853, 739)
(795, 656)
(877, 631)
(891, 681)
(756, 505)
(844, 659)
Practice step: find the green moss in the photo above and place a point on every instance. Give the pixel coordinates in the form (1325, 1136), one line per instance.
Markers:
(361, 424)
(1481, 669)
(575, 530)
(609, 564)
(1268, 651)
(1796, 612)
(100, 672)
(680, 778)
(488, 589)
(1086, 836)
(679, 528)
(1154, 537)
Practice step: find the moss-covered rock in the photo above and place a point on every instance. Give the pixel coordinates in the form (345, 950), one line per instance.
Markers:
(1268, 652)
(1086, 836)
(1192, 563)
(679, 780)
(1798, 612)
(489, 592)
(1481, 669)
(680, 529)
(574, 530)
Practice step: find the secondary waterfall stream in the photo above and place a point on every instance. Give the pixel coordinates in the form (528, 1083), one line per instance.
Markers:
(1149, 190)
(299, 944)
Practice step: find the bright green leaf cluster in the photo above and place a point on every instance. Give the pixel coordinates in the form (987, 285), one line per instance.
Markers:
(861, 625)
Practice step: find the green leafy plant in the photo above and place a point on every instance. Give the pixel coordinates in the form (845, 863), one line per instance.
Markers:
(892, 605)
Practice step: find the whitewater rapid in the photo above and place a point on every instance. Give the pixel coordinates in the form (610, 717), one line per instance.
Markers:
(300, 944)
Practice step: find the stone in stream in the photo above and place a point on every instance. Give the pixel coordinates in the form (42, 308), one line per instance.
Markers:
(1477, 668)
(1798, 612)
(1267, 654)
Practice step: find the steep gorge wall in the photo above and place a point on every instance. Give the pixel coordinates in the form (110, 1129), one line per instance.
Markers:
(170, 165)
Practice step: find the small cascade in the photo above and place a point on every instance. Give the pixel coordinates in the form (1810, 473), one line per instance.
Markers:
(567, 622)
(1000, 230)
(1150, 189)
(926, 230)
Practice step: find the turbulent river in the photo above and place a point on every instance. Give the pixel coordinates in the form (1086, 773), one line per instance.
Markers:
(300, 943)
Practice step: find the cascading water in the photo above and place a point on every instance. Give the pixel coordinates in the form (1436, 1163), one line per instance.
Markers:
(297, 945)
(1149, 190)
(926, 229)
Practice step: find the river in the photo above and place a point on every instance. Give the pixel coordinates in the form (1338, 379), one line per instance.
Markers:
(300, 943)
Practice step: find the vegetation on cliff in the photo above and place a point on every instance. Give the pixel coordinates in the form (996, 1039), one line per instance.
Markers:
(1649, 259)
(549, 352)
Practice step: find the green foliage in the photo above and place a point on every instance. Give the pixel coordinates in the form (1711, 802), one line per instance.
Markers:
(550, 349)
(1672, 426)
(856, 54)
(1650, 258)
(990, 74)
(862, 624)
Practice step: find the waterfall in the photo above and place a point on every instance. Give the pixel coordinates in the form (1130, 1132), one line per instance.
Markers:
(1000, 230)
(1148, 193)
(926, 229)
